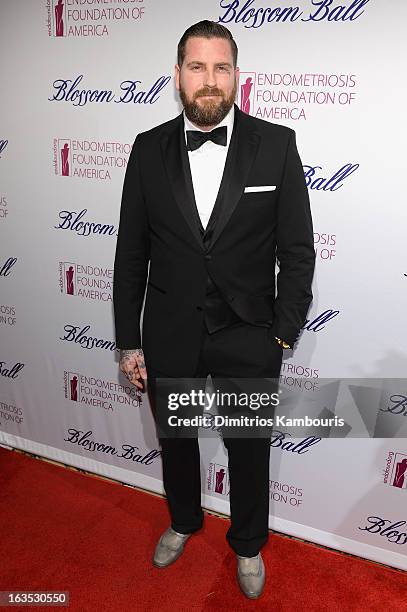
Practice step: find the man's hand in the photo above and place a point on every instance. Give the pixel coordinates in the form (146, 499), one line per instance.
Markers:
(132, 365)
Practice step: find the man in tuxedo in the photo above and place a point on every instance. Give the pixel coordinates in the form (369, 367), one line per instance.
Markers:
(210, 200)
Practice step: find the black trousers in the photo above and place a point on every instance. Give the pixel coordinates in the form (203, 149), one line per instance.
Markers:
(245, 351)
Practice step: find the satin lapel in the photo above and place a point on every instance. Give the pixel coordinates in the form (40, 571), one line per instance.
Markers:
(243, 148)
(175, 158)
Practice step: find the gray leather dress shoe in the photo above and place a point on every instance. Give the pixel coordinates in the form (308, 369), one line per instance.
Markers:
(251, 575)
(170, 546)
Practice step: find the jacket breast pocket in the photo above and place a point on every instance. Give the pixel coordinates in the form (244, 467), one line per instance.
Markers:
(258, 197)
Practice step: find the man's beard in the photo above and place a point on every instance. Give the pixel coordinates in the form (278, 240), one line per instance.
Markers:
(211, 112)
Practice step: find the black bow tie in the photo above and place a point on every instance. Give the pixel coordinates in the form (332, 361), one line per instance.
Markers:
(196, 138)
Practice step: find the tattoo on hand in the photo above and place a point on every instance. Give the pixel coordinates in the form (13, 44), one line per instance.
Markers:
(129, 353)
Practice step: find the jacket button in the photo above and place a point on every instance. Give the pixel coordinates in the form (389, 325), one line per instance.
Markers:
(208, 257)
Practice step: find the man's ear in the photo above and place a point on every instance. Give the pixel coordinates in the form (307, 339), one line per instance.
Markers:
(177, 76)
(237, 74)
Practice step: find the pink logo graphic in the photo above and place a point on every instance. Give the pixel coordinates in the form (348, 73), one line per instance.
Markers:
(59, 10)
(69, 280)
(65, 160)
(395, 472)
(67, 277)
(72, 390)
(220, 475)
(400, 473)
(218, 479)
(247, 82)
(62, 156)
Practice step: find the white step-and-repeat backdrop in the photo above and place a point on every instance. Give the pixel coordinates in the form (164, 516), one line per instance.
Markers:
(80, 79)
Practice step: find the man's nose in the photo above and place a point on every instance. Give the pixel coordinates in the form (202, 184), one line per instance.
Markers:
(210, 78)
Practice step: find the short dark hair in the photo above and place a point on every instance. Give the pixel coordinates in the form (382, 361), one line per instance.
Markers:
(206, 29)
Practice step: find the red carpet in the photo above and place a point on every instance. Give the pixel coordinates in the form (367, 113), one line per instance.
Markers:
(64, 530)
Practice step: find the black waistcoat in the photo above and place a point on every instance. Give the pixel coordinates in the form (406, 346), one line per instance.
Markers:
(217, 312)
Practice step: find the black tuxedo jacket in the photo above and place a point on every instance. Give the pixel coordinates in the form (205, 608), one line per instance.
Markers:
(160, 225)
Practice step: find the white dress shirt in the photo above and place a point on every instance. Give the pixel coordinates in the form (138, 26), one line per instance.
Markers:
(207, 164)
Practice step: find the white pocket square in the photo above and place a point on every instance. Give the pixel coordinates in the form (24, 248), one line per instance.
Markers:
(259, 188)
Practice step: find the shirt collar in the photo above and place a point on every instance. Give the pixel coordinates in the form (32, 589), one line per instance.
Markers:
(228, 121)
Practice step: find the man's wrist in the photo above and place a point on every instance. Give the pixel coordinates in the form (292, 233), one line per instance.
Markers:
(126, 353)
